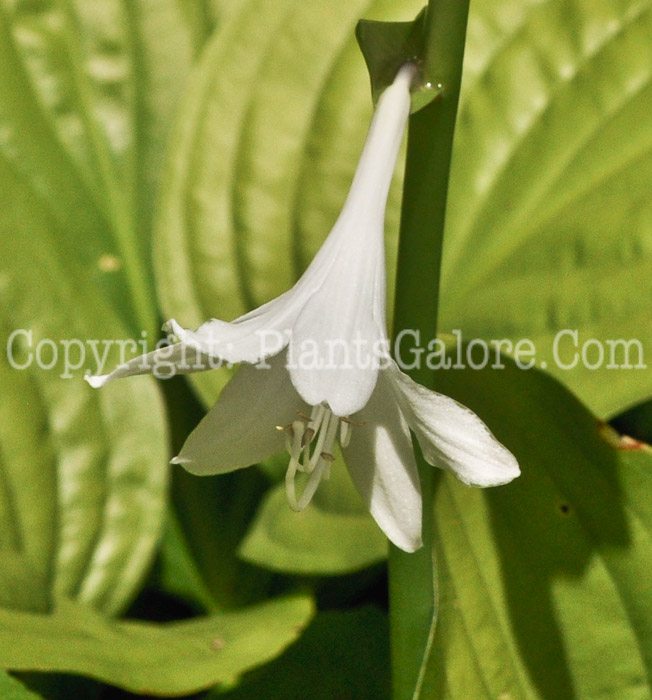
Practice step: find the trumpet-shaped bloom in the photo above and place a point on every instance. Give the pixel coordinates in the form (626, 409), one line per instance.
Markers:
(316, 369)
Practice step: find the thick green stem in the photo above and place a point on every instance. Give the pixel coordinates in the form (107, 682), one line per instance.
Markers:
(412, 577)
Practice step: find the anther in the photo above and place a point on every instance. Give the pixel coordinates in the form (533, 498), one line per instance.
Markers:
(307, 437)
(355, 424)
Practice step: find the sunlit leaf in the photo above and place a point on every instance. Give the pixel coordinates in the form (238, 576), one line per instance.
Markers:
(166, 660)
(88, 91)
(544, 590)
(84, 473)
(550, 222)
(97, 84)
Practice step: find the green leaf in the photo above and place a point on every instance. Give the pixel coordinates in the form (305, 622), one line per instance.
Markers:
(97, 83)
(165, 660)
(83, 474)
(334, 535)
(179, 573)
(549, 220)
(11, 689)
(544, 580)
(549, 227)
(215, 512)
(340, 656)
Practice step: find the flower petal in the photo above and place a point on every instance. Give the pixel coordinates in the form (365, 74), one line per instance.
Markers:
(178, 358)
(381, 462)
(241, 428)
(451, 436)
(334, 350)
(260, 333)
(339, 335)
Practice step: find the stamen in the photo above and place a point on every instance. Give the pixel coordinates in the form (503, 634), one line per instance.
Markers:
(345, 433)
(289, 484)
(298, 429)
(311, 486)
(317, 416)
(322, 439)
(329, 439)
(308, 436)
(309, 441)
(328, 459)
(306, 465)
(357, 424)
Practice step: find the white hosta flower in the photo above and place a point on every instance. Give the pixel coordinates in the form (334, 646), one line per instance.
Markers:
(326, 375)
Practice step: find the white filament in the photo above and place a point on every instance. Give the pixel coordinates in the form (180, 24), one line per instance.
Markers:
(309, 441)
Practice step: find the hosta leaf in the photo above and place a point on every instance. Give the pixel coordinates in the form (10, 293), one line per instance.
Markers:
(96, 81)
(178, 570)
(544, 589)
(11, 689)
(83, 473)
(550, 220)
(166, 660)
(549, 227)
(88, 89)
(215, 512)
(329, 650)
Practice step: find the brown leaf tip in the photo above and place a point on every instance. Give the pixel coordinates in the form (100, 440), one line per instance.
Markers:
(619, 441)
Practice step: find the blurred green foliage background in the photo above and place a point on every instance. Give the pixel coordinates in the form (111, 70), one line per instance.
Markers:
(185, 158)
